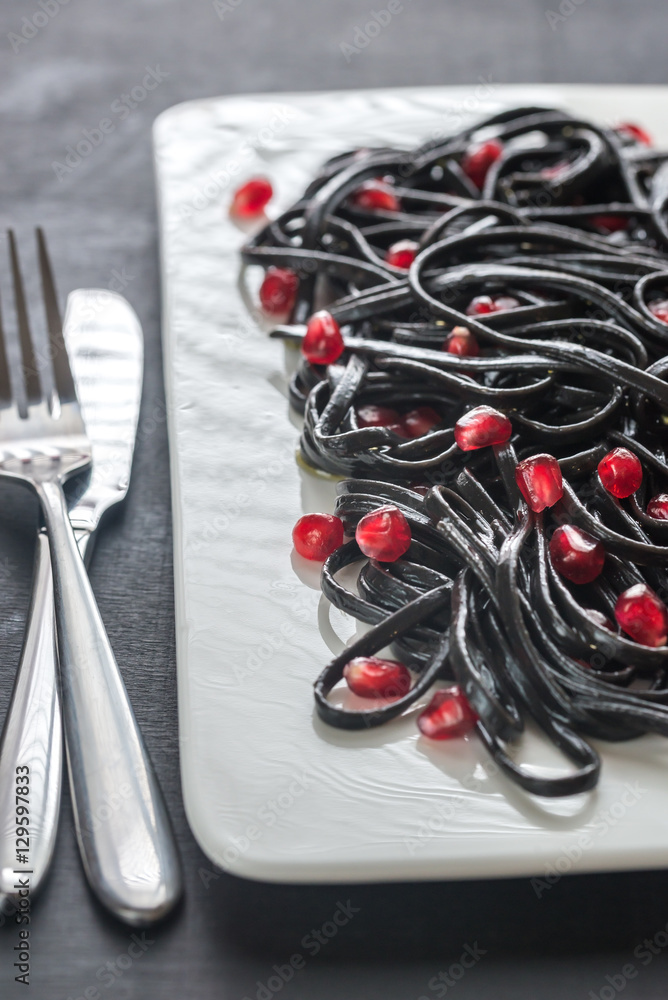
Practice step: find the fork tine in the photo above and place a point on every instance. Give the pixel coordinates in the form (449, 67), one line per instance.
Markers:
(61, 366)
(5, 384)
(31, 377)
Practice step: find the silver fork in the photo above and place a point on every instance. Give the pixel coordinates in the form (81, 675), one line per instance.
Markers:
(122, 825)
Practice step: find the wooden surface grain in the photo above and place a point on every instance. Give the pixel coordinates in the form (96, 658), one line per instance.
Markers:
(230, 938)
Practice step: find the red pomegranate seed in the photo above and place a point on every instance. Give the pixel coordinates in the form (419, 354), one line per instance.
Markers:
(610, 223)
(636, 132)
(576, 554)
(421, 420)
(481, 427)
(447, 715)
(659, 308)
(383, 534)
(461, 341)
(477, 161)
(483, 304)
(598, 618)
(323, 342)
(381, 416)
(540, 481)
(480, 305)
(642, 615)
(371, 677)
(620, 472)
(658, 507)
(374, 195)
(278, 291)
(251, 199)
(371, 415)
(316, 536)
(505, 302)
(402, 254)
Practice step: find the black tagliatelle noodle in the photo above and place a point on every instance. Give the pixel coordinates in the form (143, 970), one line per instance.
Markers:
(571, 223)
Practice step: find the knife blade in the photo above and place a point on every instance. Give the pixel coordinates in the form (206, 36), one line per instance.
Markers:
(105, 345)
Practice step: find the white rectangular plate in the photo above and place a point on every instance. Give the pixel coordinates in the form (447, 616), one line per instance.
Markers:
(269, 791)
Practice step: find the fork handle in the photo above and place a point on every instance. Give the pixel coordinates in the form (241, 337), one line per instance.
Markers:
(31, 748)
(124, 833)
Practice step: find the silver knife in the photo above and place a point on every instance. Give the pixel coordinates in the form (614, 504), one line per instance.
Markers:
(104, 342)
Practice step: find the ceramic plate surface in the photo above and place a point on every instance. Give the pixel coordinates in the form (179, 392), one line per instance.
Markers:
(270, 792)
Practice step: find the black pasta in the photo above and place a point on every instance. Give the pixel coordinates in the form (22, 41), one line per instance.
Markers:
(567, 230)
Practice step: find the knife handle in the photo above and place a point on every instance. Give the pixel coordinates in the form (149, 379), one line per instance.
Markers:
(125, 837)
(31, 755)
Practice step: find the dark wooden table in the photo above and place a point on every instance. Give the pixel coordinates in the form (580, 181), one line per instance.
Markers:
(63, 64)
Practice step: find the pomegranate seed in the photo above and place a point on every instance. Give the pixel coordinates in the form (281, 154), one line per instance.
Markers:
(421, 420)
(278, 291)
(598, 618)
(620, 472)
(447, 715)
(461, 341)
(376, 416)
(540, 481)
(381, 416)
(383, 534)
(399, 428)
(481, 427)
(576, 554)
(505, 302)
(659, 308)
(477, 161)
(658, 507)
(402, 254)
(480, 305)
(316, 536)
(323, 342)
(371, 677)
(642, 615)
(251, 199)
(610, 223)
(374, 195)
(635, 132)
(483, 304)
